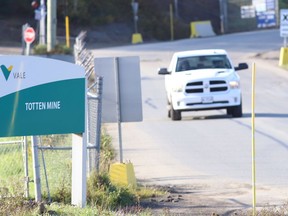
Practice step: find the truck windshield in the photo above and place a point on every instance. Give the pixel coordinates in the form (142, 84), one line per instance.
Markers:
(202, 62)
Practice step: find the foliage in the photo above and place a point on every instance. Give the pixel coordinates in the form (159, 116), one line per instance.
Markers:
(62, 193)
(59, 49)
(12, 202)
(101, 11)
(153, 18)
(283, 4)
(107, 152)
(103, 194)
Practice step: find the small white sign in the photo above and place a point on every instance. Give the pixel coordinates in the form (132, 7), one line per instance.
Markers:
(247, 11)
(283, 23)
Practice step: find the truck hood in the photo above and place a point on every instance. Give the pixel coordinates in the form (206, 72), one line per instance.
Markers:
(205, 73)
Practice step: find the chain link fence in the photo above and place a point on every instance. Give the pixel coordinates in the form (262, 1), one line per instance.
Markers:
(54, 151)
(12, 170)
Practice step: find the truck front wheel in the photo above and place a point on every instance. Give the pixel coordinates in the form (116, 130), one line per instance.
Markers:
(235, 111)
(175, 114)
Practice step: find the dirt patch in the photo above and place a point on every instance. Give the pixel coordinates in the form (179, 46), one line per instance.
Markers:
(271, 55)
(192, 200)
(225, 199)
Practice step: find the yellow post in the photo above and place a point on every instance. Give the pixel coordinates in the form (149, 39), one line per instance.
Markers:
(137, 38)
(67, 32)
(283, 60)
(171, 22)
(253, 140)
(193, 30)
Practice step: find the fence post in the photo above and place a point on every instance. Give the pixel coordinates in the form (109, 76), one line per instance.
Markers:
(98, 123)
(25, 160)
(36, 168)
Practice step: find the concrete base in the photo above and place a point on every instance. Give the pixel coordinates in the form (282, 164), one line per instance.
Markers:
(201, 29)
(283, 60)
(123, 174)
(137, 38)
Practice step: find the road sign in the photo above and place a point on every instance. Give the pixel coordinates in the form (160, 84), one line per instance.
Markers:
(40, 96)
(29, 35)
(125, 71)
(283, 23)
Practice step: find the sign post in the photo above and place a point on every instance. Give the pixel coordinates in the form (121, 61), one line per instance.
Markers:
(120, 104)
(284, 33)
(29, 37)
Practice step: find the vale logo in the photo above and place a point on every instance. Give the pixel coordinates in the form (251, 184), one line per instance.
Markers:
(6, 71)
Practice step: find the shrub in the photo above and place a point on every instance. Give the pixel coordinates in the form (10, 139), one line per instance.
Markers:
(102, 193)
(41, 49)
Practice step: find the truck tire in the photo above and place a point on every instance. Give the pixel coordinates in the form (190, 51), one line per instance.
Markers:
(169, 108)
(236, 111)
(229, 110)
(175, 114)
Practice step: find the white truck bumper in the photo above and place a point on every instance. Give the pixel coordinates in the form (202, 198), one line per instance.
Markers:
(202, 102)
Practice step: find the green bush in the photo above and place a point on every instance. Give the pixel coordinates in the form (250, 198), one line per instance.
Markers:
(58, 49)
(102, 193)
(107, 152)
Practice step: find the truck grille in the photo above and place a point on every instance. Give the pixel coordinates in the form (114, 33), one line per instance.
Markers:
(206, 86)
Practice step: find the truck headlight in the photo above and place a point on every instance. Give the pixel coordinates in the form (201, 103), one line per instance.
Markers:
(234, 84)
(177, 88)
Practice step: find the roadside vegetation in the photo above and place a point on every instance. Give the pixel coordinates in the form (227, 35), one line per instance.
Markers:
(58, 49)
(103, 197)
(153, 18)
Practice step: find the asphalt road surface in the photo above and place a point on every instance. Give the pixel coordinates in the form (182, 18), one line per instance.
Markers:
(209, 148)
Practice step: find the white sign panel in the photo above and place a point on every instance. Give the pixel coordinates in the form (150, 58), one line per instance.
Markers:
(40, 96)
(247, 11)
(121, 88)
(284, 23)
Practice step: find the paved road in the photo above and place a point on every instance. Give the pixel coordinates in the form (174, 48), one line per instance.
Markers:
(208, 147)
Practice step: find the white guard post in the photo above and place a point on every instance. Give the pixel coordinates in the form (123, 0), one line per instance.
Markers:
(79, 165)
(79, 155)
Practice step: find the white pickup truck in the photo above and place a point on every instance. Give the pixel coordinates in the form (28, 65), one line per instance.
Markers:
(202, 80)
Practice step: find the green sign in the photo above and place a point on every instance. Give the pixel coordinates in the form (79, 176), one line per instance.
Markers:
(40, 96)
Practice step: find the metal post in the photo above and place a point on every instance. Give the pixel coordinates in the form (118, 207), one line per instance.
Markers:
(27, 49)
(176, 9)
(36, 168)
(99, 81)
(253, 141)
(118, 99)
(135, 12)
(171, 23)
(23, 42)
(46, 177)
(26, 172)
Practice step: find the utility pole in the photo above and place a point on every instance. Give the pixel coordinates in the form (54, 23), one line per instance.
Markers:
(223, 16)
(51, 24)
(176, 9)
(42, 32)
(277, 12)
(135, 12)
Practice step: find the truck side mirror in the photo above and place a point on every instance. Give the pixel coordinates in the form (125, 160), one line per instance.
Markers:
(241, 66)
(163, 71)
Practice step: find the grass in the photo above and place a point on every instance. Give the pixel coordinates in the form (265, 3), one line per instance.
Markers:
(103, 198)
